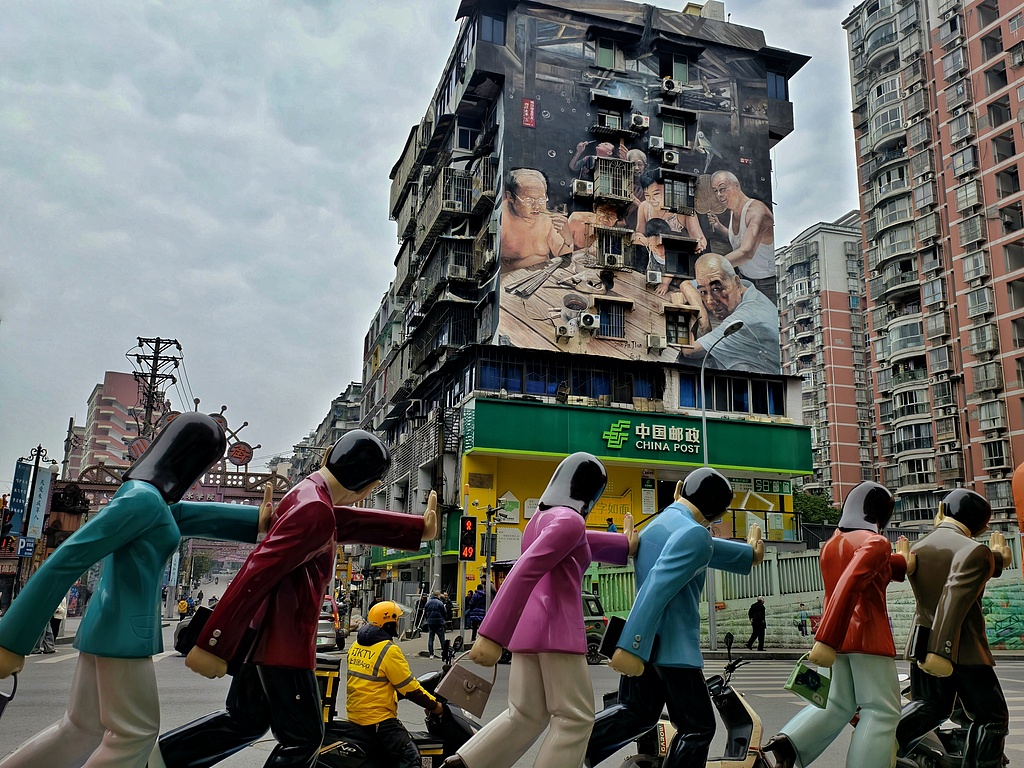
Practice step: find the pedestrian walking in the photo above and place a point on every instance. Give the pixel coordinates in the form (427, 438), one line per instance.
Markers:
(434, 618)
(757, 625)
(801, 618)
(477, 608)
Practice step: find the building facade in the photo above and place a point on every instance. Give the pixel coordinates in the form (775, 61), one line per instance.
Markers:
(111, 423)
(570, 210)
(937, 113)
(821, 305)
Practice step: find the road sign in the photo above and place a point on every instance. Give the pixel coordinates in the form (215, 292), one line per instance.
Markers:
(26, 546)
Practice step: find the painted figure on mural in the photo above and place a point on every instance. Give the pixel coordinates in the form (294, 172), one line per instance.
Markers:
(530, 234)
(113, 714)
(658, 651)
(278, 593)
(538, 615)
(582, 225)
(653, 207)
(948, 571)
(854, 639)
(723, 295)
(750, 231)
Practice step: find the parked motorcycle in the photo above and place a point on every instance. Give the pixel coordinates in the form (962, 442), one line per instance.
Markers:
(743, 728)
(346, 746)
(942, 747)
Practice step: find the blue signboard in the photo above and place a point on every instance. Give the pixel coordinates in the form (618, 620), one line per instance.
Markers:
(19, 495)
(26, 546)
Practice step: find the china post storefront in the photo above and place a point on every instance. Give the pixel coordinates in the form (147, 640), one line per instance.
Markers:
(511, 447)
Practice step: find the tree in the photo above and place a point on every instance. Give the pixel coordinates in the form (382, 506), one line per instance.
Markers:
(814, 508)
(202, 565)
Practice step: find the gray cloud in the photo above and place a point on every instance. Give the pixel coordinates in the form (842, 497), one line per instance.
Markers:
(218, 173)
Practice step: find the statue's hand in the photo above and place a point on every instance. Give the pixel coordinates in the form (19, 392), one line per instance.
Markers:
(626, 663)
(903, 549)
(630, 532)
(485, 652)
(822, 655)
(10, 662)
(936, 665)
(430, 527)
(755, 542)
(206, 664)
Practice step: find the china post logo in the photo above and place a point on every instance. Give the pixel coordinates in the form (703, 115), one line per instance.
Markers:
(617, 434)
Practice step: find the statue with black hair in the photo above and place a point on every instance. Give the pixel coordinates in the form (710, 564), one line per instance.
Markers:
(113, 714)
(538, 615)
(948, 571)
(854, 638)
(658, 652)
(278, 593)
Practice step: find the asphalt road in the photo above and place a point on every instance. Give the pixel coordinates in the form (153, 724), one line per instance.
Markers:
(43, 686)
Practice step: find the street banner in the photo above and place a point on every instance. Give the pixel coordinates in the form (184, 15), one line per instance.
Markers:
(19, 495)
(40, 503)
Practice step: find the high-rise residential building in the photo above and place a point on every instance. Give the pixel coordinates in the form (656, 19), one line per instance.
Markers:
(344, 415)
(570, 210)
(937, 100)
(112, 421)
(821, 306)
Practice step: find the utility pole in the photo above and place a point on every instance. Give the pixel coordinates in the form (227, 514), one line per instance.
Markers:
(154, 362)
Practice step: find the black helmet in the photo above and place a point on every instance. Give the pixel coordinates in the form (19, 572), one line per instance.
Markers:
(179, 455)
(968, 508)
(577, 483)
(357, 459)
(709, 491)
(867, 507)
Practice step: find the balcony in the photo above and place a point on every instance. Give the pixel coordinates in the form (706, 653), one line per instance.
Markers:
(949, 467)
(485, 175)
(406, 214)
(406, 267)
(894, 283)
(913, 444)
(450, 195)
(988, 378)
(910, 376)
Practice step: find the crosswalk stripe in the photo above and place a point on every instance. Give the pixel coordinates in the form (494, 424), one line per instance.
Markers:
(59, 658)
(164, 655)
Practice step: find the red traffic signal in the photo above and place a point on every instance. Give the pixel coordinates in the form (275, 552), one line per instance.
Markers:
(467, 538)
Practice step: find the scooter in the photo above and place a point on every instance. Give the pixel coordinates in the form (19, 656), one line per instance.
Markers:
(942, 747)
(742, 726)
(346, 746)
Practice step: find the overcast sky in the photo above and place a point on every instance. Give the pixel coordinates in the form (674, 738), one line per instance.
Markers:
(218, 173)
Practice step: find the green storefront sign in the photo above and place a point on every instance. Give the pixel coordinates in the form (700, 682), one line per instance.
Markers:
(542, 429)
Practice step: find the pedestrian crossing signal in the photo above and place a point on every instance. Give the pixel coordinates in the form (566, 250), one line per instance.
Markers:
(467, 538)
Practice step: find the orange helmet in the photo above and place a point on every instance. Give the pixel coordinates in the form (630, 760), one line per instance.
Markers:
(384, 612)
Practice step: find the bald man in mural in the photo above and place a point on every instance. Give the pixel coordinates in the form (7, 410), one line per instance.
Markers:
(530, 234)
(751, 233)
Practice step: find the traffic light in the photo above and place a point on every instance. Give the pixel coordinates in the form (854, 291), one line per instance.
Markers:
(6, 522)
(467, 538)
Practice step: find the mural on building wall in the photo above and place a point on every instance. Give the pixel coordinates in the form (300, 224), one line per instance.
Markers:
(636, 217)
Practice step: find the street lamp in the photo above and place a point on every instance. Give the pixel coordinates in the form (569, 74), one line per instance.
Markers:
(729, 330)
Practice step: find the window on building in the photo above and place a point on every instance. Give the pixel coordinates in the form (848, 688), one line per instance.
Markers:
(607, 118)
(613, 318)
(674, 131)
(689, 391)
(778, 86)
(678, 195)
(933, 292)
(675, 66)
(1016, 22)
(492, 28)
(467, 133)
(607, 55)
(854, 301)
(677, 327)
(495, 376)
(767, 397)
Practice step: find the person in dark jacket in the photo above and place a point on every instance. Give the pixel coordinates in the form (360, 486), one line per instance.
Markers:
(757, 625)
(477, 608)
(434, 618)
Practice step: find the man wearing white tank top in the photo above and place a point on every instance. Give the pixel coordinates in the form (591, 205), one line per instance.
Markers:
(751, 233)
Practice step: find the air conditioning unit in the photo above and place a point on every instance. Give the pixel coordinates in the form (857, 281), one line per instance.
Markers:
(928, 176)
(639, 122)
(671, 87)
(581, 188)
(670, 157)
(655, 341)
(1017, 58)
(451, 205)
(653, 277)
(612, 260)
(655, 144)
(590, 321)
(457, 271)
(564, 331)
(954, 446)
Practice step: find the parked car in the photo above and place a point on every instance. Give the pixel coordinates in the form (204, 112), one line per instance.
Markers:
(329, 634)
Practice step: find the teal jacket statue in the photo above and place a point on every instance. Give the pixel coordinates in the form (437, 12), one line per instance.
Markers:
(113, 713)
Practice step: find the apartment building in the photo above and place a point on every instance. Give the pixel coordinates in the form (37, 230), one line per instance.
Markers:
(550, 294)
(937, 100)
(821, 305)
